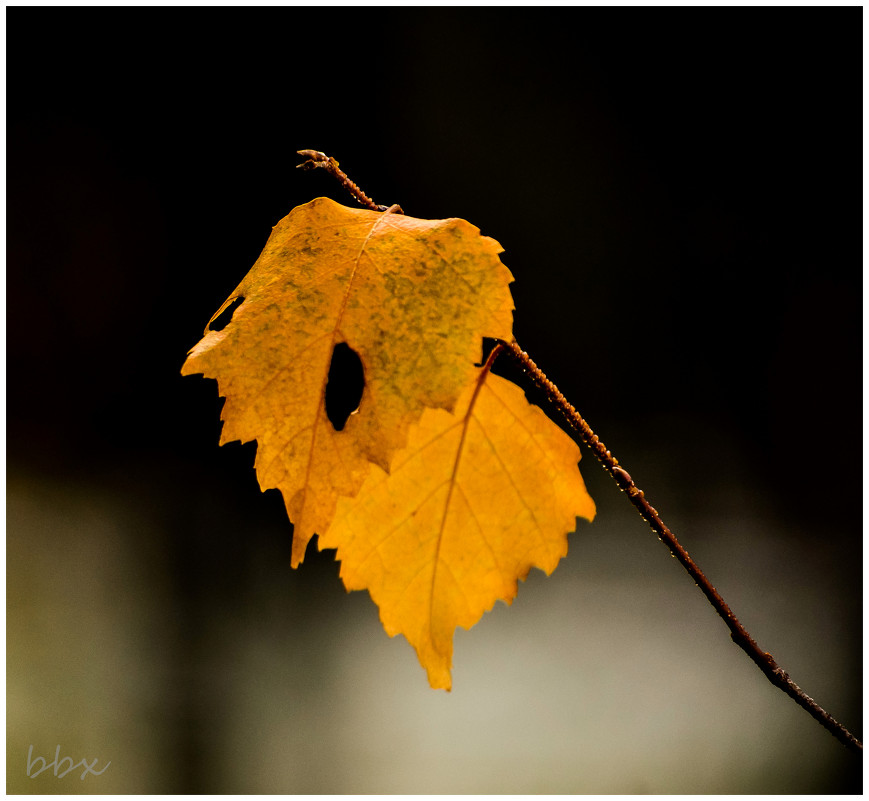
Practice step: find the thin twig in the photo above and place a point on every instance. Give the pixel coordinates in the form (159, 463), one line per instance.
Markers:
(738, 634)
(318, 159)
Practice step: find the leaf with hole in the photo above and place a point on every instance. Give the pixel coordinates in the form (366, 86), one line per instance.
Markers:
(411, 298)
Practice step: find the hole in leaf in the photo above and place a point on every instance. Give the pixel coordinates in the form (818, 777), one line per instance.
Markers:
(222, 320)
(344, 386)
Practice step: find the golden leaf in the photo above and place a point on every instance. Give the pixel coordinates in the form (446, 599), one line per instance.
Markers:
(413, 298)
(477, 499)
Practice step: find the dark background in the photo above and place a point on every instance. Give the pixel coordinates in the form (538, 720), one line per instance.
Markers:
(678, 194)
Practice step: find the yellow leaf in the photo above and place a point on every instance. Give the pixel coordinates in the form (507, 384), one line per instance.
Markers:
(476, 500)
(413, 298)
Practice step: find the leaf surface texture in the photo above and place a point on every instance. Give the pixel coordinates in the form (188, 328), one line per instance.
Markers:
(413, 298)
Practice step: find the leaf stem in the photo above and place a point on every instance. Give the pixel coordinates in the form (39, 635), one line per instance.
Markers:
(738, 634)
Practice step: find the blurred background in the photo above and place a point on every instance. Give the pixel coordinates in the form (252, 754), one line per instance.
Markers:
(678, 193)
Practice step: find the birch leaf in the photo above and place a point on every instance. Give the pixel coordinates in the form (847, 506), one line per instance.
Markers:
(478, 498)
(412, 298)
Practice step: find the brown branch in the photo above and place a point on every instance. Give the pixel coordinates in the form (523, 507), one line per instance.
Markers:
(318, 159)
(738, 634)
